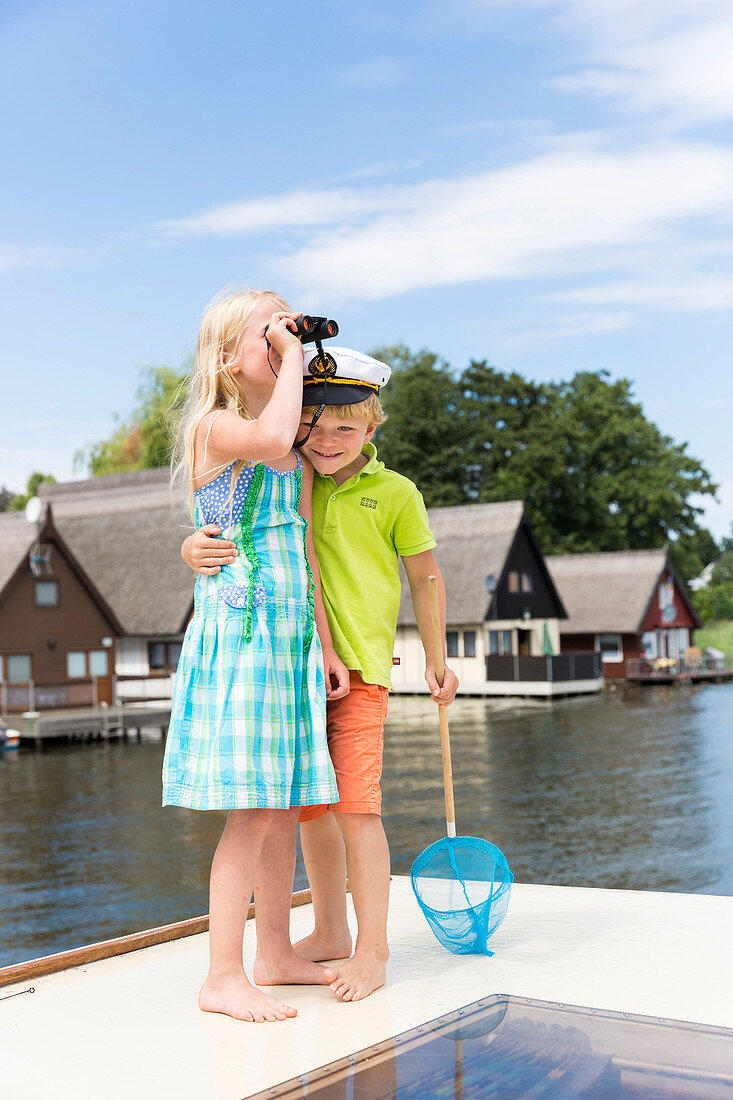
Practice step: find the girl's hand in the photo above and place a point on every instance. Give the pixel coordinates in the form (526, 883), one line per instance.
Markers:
(205, 554)
(280, 332)
(445, 694)
(337, 676)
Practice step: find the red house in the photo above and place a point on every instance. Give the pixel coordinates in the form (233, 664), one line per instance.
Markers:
(629, 605)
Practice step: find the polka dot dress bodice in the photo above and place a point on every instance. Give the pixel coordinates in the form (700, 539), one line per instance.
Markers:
(257, 508)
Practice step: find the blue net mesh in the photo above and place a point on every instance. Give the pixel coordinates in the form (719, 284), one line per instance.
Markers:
(462, 885)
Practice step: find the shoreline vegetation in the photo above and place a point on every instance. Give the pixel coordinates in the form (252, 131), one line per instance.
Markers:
(595, 473)
(717, 634)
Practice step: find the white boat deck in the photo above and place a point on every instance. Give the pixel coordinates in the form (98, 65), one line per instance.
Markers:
(129, 1026)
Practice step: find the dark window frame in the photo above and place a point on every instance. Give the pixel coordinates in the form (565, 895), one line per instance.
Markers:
(167, 668)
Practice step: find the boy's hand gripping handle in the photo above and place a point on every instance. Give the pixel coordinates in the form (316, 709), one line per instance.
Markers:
(450, 811)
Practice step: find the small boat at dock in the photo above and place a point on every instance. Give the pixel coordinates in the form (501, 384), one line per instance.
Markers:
(121, 1019)
(9, 738)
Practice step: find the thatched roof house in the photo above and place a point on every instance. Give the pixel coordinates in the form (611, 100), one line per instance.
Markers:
(479, 546)
(126, 533)
(623, 603)
(109, 595)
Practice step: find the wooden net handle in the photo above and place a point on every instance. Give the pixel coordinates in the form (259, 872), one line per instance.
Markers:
(450, 810)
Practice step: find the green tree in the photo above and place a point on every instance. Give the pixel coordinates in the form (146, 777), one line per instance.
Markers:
(145, 439)
(19, 501)
(425, 434)
(594, 472)
(715, 603)
(691, 553)
(6, 496)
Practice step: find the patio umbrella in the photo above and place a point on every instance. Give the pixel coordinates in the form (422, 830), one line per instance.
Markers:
(547, 650)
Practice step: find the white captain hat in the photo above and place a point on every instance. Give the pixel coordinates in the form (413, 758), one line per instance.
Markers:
(341, 376)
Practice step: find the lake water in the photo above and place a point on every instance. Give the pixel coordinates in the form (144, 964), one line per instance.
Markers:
(632, 790)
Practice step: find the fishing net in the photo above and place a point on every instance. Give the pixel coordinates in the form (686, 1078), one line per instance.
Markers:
(462, 885)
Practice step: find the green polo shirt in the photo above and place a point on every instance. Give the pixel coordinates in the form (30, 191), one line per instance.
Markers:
(361, 529)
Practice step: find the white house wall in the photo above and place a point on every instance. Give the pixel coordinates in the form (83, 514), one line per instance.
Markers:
(132, 657)
(409, 675)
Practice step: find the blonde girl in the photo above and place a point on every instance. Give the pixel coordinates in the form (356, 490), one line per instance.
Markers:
(247, 731)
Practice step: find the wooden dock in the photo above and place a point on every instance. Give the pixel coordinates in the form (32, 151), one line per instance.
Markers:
(89, 723)
(669, 676)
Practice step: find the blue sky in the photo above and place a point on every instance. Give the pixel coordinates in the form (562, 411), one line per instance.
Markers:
(544, 183)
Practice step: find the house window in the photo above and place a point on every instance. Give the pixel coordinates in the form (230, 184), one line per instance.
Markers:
(19, 668)
(98, 662)
(163, 656)
(527, 582)
(469, 643)
(47, 593)
(84, 664)
(500, 643)
(513, 582)
(649, 645)
(451, 643)
(76, 664)
(610, 647)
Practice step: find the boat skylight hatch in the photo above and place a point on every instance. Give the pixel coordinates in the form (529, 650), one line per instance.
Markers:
(508, 1046)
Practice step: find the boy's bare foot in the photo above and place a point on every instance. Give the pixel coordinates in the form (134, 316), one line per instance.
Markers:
(287, 968)
(320, 946)
(361, 975)
(235, 996)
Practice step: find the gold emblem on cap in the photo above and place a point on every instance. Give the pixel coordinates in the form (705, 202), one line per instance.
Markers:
(322, 366)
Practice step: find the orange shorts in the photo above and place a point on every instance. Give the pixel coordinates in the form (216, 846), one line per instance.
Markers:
(355, 743)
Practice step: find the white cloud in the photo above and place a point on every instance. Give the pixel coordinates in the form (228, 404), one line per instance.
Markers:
(295, 210)
(376, 74)
(573, 324)
(577, 209)
(685, 292)
(15, 256)
(668, 56)
(572, 211)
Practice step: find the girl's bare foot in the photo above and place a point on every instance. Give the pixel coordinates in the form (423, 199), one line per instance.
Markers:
(235, 996)
(361, 975)
(287, 968)
(320, 946)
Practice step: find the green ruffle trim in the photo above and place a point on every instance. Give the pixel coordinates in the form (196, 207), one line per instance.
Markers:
(311, 584)
(248, 545)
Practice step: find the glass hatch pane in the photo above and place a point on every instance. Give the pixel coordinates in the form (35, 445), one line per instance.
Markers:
(511, 1047)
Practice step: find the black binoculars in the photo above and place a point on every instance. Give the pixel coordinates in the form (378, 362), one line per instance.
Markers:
(310, 330)
(314, 329)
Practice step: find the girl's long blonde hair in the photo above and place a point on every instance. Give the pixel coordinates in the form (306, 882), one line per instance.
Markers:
(211, 385)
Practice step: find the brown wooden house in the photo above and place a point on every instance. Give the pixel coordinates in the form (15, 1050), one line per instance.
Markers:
(628, 605)
(106, 615)
(56, 629)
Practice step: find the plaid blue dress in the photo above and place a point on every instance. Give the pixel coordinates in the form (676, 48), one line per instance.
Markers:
(248, 715)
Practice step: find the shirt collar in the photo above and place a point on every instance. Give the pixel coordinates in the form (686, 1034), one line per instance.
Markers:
(374, 465)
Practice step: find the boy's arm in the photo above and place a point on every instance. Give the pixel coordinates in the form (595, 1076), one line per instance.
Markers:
(205, 554)
(418, 568)
(333, 665)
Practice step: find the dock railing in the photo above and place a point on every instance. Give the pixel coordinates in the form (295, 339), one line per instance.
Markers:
(668, 668)
(31, 696)
(558, 668)
(143, 689)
